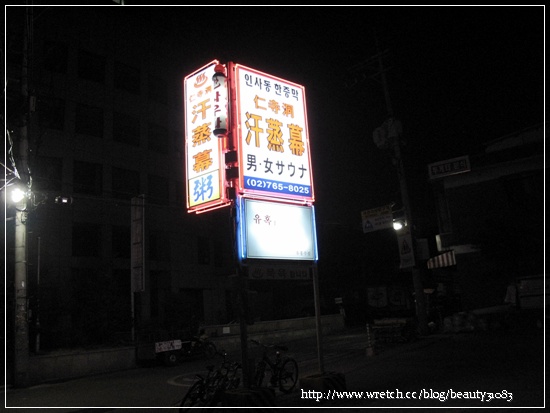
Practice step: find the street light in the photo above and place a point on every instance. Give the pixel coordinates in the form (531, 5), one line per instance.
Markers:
(398, 224)
(18, 195)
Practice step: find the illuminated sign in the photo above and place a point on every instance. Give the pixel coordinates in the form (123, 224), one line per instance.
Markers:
(272, 137)
(274, 230)
(205, 107)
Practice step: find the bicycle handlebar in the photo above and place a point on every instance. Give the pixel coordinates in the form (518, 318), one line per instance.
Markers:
(274, 346)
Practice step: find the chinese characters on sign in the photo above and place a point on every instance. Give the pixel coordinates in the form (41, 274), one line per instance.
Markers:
(205, 112)
(273, 137)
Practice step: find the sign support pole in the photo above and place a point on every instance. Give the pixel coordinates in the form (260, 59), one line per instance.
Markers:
(243, 303)
(318, 324)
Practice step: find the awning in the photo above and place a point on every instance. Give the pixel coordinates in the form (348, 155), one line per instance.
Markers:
(443, 260)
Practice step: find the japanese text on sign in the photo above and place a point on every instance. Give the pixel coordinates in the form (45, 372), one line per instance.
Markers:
(273, 143)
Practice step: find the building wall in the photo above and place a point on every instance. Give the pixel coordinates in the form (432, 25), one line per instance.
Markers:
(493, 217)
(101, 137)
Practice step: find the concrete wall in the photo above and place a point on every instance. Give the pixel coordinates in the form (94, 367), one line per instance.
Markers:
(72, 364)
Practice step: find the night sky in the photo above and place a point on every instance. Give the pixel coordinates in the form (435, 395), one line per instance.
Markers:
(459, 76)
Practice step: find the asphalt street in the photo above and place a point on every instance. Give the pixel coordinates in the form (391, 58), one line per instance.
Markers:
(501, 368)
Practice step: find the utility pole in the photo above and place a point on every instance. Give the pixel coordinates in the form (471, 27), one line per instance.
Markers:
(393, 134)
(21, 356)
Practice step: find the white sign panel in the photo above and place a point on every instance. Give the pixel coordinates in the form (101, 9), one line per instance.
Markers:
(272, 137)
(406, 249)
(377, 218)
(204, 161)
(273, 230)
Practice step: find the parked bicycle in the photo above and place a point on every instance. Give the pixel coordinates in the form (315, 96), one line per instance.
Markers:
(282, 370)
(208, 391)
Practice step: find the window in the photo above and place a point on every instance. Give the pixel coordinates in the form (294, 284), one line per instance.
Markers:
(51, 112)
(159, 291)
(91, 66)
(178, 142)
(121, 241)
(87, 178)
(180, 194)
(89, 120)
(158, 90)
(86, 240)
(48, 173)
(55, 56)
(203, 246)
(127, 78)
(158, 190)
(125, 183)
(159, 246)
(218, 253)
(158, 139)
(126, 129)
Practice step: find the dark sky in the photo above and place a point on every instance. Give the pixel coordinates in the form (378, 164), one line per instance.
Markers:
(458, 76)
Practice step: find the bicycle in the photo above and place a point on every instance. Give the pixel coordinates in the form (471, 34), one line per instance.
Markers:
(283, 369)
(208, 391)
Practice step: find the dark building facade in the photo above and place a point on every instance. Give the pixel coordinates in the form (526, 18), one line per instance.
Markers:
(491, 219)
(105, 126)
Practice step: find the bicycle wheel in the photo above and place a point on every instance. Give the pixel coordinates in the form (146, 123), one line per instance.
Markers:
(210, 350)
(260, 374)
(288, 375)
(194, 396)
(171, 358)
(235, 377)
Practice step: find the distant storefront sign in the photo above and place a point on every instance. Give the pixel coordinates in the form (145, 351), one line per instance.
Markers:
(377, 218)
(449, 167)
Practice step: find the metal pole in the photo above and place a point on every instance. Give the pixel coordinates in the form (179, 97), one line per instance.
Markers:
(318, 324)
(21, 363)
(37, 342)
(21, 320)
(243, 302)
